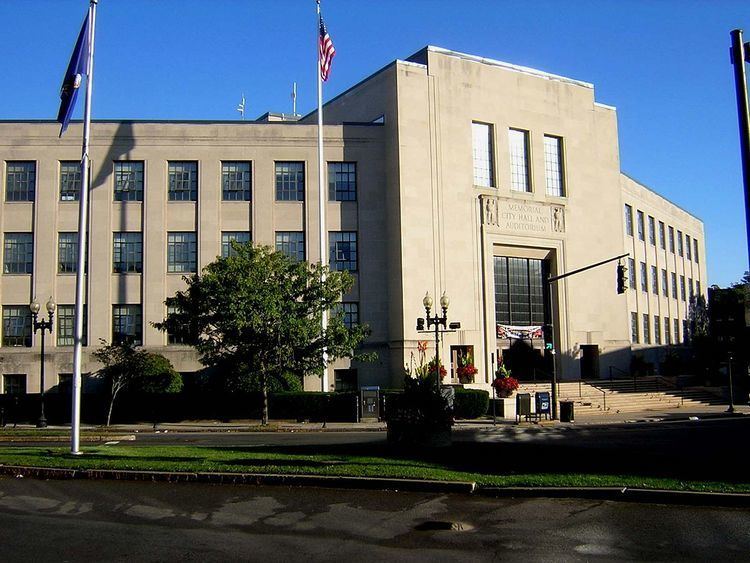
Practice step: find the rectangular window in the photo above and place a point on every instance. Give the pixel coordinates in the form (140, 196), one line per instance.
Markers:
(484, 173)
(671, 239)
(690, 288)
(128, 180)
(20, 181)
(697, 288)
(680, 251)
(662, 236)
(519, 291)
(342, 251)
(682, 288)
(695, 250)
(674, 285)
(651, 231)
(70, 180)
(688, 247)
(639, 216)
(631, 273)
(654, 280)
(181, 252)
(290, 181)
(657, 330)
(342, 181)
(677, 331)
(18, 253)
(628, 220)
(127, 324)
(667, 332)
(228, 237)
(634, 328)
(553, 165)
(349, 312)
(127, 253)
(175, 338)
(518, 141)
(644, 277)
(67, 253)
(664, 284)
(182, 181)
(16, 325)
(65, 325)
(236, 181)
(291, 243)
(14, 383)
(646, 329)
(345, 380)
(685, 332)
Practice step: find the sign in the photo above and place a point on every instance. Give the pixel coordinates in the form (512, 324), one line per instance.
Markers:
(523, 217)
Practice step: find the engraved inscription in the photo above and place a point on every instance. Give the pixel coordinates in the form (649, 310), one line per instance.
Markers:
(523, 216)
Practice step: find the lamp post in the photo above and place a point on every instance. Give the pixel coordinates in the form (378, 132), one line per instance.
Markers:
(43, 325)
(436, 321)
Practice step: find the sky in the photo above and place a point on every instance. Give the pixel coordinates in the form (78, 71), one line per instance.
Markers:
(663, 64)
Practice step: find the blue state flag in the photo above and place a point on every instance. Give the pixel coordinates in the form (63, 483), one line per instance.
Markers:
(77, 68)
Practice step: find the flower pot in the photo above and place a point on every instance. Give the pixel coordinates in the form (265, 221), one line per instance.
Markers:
(504, 393)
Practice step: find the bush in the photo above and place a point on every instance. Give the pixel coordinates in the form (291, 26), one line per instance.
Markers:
(314, 406)
(470, 403)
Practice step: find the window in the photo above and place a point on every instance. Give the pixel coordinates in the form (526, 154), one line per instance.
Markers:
(66, 325)
(667, 332)
(651, 231)
(631, 273)
(349, 312)
(227, 237)
(127, 324)
(20, 181)
(690, 288)
(182, 181)
(14, 383)
(67, 253)
(484, 173)
(695, 250)
(634, 328)
(518, 141)
(553, 165)
(688, 247)
(671, 239)
(654, 280)
(70, 180)
(674, 285)
(679, 243)
(291, 243)
(639, 216)
(682, 288)
(628, 220)
(290, 181)
(677, 331)
(644, 278)
(697, 288)
(181, 253)
(646, 329)
(657, 330)
(127, 253)
(236, 181)
(685, 332)
(16, 325)
(345, 380)
(176, 338)
(664, 284)
(342, 181)
(342, 251)
(519, 291)
(18, 253)
(128, 181)
(662, 236)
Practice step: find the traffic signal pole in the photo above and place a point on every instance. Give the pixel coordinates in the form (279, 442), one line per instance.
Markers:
(550, 281)
(740, 54)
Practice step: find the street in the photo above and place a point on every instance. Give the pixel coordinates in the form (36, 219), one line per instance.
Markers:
(116, 521)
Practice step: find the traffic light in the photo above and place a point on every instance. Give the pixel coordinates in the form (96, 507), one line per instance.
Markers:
(622, 279)
(420, 323)
(547, 335)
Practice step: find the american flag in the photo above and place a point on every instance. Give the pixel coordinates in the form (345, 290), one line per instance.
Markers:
(325, 51)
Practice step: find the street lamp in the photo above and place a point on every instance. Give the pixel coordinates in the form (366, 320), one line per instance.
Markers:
(435, 321)
(43, 326)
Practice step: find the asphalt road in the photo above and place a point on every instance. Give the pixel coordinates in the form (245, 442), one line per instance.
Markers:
(117, 521)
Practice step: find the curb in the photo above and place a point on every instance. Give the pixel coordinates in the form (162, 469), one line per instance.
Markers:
(64, 438)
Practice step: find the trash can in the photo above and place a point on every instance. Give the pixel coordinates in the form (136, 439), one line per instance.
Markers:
(566, 411)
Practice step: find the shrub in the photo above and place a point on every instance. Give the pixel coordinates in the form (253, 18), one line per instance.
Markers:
(470, 403)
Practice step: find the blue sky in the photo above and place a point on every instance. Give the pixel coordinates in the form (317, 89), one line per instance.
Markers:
(663, 64)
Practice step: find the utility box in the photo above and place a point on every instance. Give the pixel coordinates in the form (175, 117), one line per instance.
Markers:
(523, 406)
(566, 411)
(370, 402)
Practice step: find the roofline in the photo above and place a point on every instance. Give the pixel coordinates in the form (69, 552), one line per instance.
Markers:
(169, 121)
(669, 201)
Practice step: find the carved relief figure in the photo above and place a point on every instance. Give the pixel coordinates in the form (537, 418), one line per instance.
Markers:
(558, 219)
(490, 211)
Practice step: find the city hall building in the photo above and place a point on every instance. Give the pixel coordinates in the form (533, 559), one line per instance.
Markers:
(445, 173)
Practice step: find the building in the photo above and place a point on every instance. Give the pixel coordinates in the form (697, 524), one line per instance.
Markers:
(447, 173)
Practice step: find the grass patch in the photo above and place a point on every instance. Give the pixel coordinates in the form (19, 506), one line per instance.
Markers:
(269, 460)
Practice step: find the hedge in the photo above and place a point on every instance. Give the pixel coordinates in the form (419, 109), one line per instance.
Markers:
(470, 403)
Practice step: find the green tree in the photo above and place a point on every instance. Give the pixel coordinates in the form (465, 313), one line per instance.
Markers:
(261, 309)
(126, 367)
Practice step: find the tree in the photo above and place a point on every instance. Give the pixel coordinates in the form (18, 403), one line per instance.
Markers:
(124, 366)
(261, 309)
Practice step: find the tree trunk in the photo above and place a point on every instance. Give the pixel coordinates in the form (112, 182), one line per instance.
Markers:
(115, 389)
(264, 386)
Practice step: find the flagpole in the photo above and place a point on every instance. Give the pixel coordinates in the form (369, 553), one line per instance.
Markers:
(321, 197)
(75, 428)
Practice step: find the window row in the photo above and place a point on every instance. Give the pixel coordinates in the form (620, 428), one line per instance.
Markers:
(641, 331)
(182, 181)
(684, 247)
(520, 170)
(182, 256)
(660, 284)
(127, 324)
